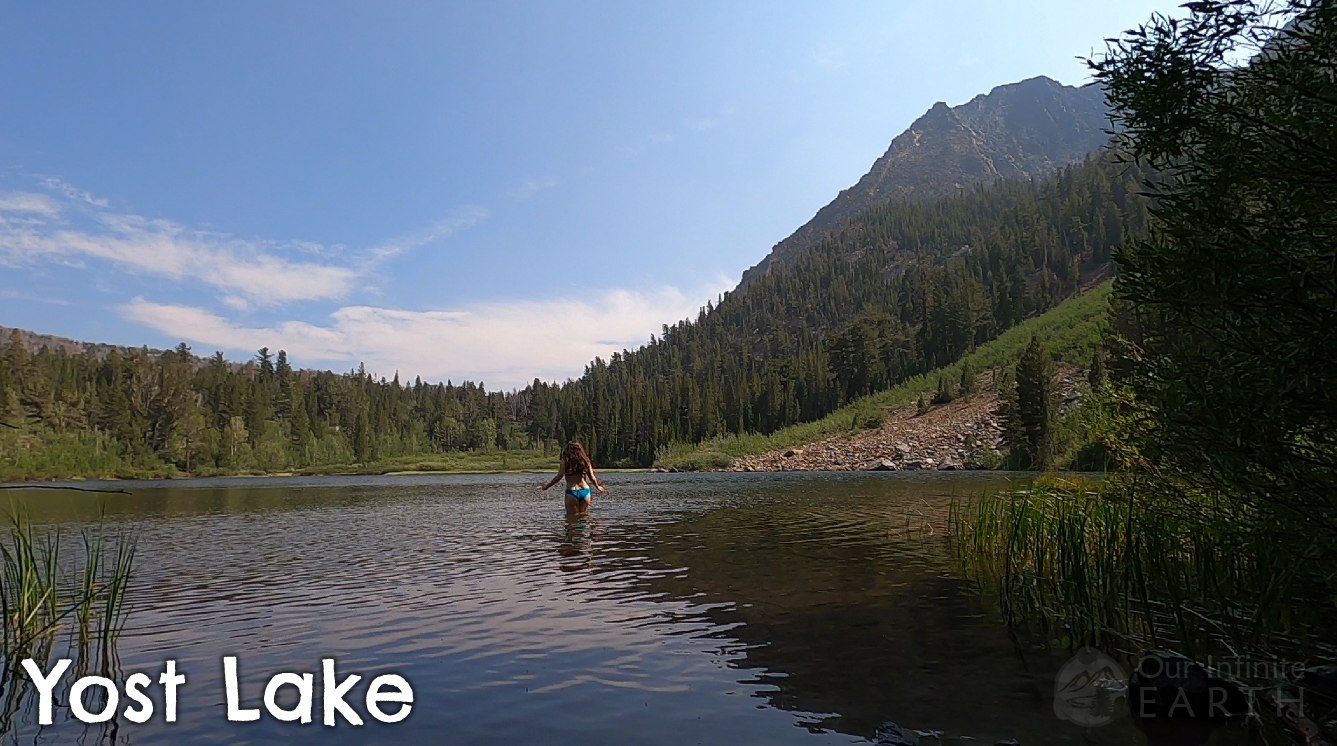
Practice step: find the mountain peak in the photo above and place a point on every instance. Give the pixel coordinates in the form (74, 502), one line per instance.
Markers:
(1037, 80)
(1025, 129)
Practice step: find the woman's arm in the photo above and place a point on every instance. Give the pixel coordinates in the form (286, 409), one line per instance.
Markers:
(553, 481)
(595, 479)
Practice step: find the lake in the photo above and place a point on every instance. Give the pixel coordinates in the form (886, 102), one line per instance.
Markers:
(686, 608)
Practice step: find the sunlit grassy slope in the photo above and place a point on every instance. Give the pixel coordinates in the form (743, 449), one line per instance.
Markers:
(1071, 332)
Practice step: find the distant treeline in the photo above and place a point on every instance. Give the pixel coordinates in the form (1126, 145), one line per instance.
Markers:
(903, 289)
(81, 413)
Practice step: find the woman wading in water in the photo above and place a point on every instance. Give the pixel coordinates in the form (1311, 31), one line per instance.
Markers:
(579, 473)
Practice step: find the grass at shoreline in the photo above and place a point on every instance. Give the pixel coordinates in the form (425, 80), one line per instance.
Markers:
(486, 462)
(1071, 332)
(448, 463)
(434, 463)
(1113, 563)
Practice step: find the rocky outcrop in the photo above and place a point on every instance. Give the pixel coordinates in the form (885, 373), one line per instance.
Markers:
(966, 433)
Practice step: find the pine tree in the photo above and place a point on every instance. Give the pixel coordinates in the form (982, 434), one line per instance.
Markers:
(945, 394)
(361, 436)
(1029, 425)
(283, 374)
(967, 386)
(1096, 376)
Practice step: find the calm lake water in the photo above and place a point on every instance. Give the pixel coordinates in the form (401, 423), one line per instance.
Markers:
(711, 609)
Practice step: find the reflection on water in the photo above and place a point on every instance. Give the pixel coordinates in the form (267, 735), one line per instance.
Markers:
(577, 548)
(684, 608)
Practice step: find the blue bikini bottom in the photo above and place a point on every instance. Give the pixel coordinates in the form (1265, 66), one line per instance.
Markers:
(581, 494)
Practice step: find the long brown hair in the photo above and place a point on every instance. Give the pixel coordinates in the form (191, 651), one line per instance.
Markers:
(575, 462)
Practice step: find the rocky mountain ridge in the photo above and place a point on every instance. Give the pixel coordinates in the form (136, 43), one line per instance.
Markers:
(1027, 129)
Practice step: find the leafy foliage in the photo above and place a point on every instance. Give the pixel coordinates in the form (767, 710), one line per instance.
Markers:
(1230, 303)
(1220, 540)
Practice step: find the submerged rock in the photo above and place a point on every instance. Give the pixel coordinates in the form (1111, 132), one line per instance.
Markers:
(891, 734)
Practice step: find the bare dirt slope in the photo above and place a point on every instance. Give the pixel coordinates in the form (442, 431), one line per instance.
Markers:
(963, 434)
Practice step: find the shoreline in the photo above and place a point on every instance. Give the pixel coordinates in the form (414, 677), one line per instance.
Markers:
(294, 474)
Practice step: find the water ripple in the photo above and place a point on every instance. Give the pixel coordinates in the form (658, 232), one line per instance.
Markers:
(826, 602)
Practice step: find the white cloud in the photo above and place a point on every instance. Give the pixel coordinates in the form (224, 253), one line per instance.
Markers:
(504, 344)
(68, 226)
(240, 268)
(28, 203)
(236, 303)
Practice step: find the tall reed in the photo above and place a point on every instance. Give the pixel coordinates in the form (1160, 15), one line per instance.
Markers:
(1117, 566)
(45, 589)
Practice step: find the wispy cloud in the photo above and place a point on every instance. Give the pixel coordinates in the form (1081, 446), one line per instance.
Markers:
(67, 226)
(72, 193)
(33, 298)
(241, 268)
(28, 203)
(530, 187)
(687, 127)
(503, 344)
(459, 219)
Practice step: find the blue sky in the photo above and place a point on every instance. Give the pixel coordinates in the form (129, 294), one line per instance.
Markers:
(490, 191)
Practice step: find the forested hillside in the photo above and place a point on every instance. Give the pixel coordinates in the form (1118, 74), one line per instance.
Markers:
(903, 289)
